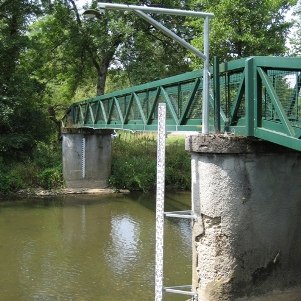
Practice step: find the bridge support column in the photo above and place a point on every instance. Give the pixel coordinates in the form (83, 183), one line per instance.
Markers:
(87, 157)
(247, 240)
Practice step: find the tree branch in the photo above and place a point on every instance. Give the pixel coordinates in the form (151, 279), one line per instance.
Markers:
(6, 3)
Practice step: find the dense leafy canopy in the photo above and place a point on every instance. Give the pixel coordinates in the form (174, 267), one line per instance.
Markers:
(295, 40)
(244, 28)
(20, 93)
(50, 56)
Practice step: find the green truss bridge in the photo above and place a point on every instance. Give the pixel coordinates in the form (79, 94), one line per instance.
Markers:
(253, 97)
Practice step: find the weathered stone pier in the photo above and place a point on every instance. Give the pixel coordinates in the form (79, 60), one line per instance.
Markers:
(247, 240)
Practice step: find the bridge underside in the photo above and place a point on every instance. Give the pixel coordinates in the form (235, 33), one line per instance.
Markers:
(253, 97)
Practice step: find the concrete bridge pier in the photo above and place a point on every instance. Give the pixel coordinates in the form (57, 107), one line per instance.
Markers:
(247, 240)
(87, 157)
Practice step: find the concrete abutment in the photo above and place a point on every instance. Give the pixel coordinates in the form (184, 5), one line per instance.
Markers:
(87, 157)
(247, 240)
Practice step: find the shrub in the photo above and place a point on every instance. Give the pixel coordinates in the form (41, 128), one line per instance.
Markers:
(48, 155)
(4, 183)
(44, 169)
(178, 167)
(136, 173)
(51, 178)
(135, 160)
(27, 172)
(10, 183)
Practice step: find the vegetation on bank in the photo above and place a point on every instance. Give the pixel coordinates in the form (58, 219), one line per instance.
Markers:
(51, 56)
(133, 165)
(42, 169)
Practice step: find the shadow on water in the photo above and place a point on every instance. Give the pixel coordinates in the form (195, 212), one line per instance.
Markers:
(174, 201)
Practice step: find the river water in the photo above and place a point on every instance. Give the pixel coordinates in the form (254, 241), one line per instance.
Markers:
(91, 247)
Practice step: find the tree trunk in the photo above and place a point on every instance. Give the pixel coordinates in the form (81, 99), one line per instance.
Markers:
(102, 72)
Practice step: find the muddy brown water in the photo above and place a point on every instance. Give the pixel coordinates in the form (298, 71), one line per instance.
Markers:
(90, 247)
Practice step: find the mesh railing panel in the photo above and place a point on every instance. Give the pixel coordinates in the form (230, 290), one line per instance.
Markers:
(285, 84)
(195, 110)
(229, 89)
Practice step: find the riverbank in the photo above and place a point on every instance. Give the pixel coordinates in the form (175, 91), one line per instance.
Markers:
(40, 192)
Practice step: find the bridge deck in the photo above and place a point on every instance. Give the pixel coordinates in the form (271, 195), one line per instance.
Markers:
(256, 97)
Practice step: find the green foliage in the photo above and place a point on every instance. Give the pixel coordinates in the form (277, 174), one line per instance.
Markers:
(244, 28)
(178, 166)
(137, 173)
(135, 161)
(44, 170)
(24, 121)
(48, 155)
(51, 178)
(4, 183)
(295, 39)
(48, 160)
(27, 172)
(10, 181)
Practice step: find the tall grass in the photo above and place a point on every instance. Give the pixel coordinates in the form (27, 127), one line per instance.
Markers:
(135, 160)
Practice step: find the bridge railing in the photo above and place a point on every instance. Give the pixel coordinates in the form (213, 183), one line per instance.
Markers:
(261, 98)
(256, 96)
(136, 108)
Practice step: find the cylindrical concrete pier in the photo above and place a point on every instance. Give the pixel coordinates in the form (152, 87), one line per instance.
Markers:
(247, 240)
(87, 157)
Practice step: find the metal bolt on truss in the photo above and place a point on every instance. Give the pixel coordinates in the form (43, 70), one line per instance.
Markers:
(160, 214)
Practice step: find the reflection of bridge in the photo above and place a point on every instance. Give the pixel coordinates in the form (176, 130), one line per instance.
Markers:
(257, 96)
(246, 196)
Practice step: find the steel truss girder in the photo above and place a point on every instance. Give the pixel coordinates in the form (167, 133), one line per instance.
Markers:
(241, 105)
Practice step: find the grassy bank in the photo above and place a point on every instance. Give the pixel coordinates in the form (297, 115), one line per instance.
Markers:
(133, 166)
(135, 160)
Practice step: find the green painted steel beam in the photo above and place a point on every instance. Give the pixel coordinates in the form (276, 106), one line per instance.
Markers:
(256, 99)
(278, 138)
(250, 78)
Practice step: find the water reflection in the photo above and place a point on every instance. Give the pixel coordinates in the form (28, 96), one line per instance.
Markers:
(90, 248)
(124, 247)
(83, 221)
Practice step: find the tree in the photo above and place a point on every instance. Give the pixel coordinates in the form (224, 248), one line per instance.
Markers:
(82, 49)
(295, 40)
(71, 54)
(22, 121)
(245, 28)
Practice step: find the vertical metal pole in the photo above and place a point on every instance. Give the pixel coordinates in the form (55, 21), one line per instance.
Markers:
(160, 201)
(250, 95)
(217, 96)
(205, 115)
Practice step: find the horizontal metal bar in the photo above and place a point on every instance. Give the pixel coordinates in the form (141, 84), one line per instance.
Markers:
(278, 138)
(157, 10)
(181, 211)
(182, 214)
(179, 290)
